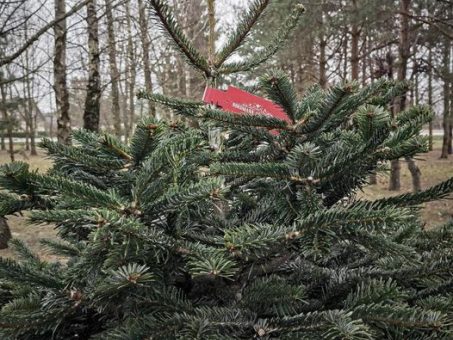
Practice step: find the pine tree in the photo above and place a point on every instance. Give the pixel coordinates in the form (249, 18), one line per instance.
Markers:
(265, 238)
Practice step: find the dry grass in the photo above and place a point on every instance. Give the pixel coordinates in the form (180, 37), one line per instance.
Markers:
(434, 170)
(30, 234)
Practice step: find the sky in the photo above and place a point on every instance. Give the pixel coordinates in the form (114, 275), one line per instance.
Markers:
(41, 52)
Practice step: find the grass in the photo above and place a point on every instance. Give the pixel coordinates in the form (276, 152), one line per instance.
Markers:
(433, 169)
(30, 234)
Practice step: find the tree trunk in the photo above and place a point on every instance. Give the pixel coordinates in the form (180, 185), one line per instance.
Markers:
(394, 183)
(415, 173)
(5, 233)
(212, 35)
(430, 94)
(131, 74)
(345, 54)
(59, 68)
(124, 95)
(446, 90)
(450, 118)
(9, 123)
(27, 131)
(322, 63)
(365, 61)
(123, 86)
(355, 36)
(322, 50)
(365, 64)
(114, 73)
(2, 138)
(143, 24)
(405, 51)
(5, 120)
(404, 54)
(29, 121)
(91, 114)
(29, 111)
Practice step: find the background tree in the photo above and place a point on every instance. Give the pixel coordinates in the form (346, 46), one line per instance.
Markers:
(60, 84)
(114, 73)
(5, 233)
(145, 42)
(91, 115)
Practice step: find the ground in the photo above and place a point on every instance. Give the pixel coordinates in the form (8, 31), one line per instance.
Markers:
(433, 169)
(30, 234)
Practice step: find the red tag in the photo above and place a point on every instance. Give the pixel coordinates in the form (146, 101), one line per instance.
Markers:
(239, 101)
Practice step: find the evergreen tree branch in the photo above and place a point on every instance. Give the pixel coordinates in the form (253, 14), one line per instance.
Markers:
(281, 91)
(175, 34)
(246, 23)
(268, 51)
(75, 189)
(441, 190)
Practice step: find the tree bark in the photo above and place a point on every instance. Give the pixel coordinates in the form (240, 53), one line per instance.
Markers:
(5, 233)
(404, 54)
(131, 70)
(394, 182)
(91, 114)
(430, 94)
(114, 73)
(447, 104)
(2, 137)
(9, 123)
(345, 58)
(450, 119)
(211, 36)
(366, 63)
(59, 68)
(355, 36)
(30, 121)
(415, 173)
(405, 48)
(322, 63)
(322, 51)
(143, 24)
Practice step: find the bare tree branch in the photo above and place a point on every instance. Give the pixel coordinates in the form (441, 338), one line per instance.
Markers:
(8, 59)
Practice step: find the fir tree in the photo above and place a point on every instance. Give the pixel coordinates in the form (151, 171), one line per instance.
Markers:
(167, 238)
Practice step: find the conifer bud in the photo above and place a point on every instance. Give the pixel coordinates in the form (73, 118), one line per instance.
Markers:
(261, 332)
(293, 235)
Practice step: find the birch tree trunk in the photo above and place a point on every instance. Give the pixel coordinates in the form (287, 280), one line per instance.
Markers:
(114, 73)
(91, 114)
(9, 123)
(131, 74)
(143, 25)
(59, 68)
(29, 107)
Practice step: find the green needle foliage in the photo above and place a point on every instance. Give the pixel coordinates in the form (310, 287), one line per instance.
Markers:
(166, 238)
